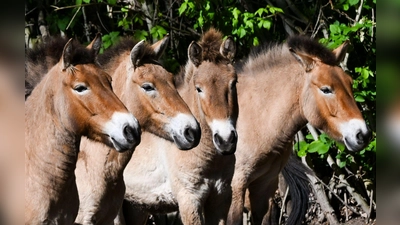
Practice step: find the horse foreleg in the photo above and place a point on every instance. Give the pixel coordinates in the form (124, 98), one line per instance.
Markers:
(235, 214)
(190, 209)
(216, 208)
(131, 215)
(260, 194)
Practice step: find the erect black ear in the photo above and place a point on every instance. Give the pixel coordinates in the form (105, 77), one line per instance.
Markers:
(66, 56)
(195, 53)
(160, 46)
(341, 51)
(228, 48)
(305, 60)
(95, 45)
(137, 53)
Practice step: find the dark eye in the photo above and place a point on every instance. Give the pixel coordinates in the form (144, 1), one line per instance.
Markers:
(326, 90)
(198, 90)
(80, 88)
(148, 87)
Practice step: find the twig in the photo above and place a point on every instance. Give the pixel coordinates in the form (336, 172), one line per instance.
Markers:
(283, 204)
(319, 192)
(345, 208)
(85, 25)
(337, 196)
(370, 204)
(101, 22)
(73, 17)
(358, 11)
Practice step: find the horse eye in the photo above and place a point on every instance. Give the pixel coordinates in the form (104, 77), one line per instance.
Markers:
(148, 87)
(326, 90)
(198, 90)
(80, 88)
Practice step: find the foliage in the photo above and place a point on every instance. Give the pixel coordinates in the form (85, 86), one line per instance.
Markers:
(250, 23)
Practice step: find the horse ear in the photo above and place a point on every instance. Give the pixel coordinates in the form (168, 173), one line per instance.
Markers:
(305, 60)
(95, 45)
(228, 48)
(160, 46)
(340, 52)
(66, 56)
(137, 53)
(195, 53)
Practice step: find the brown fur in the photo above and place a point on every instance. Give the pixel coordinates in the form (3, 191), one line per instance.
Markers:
(160, 178)
(56, 117)
(99, 169)
(279, 91)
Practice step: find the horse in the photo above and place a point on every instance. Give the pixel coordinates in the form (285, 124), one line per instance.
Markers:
(149, 92)
(281, 88)
(73, 99)
(159, 178)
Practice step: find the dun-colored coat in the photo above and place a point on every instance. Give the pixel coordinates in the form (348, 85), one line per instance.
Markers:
(65, 104)
(160, 178)
(148, 91)
(280, 89)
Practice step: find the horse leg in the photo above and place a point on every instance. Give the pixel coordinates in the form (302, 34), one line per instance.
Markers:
(132, 215)
(235, 214)
(260, 193)
(190, 209)
(216, 208)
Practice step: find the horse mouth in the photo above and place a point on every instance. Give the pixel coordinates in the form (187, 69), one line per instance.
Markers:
(124, 145)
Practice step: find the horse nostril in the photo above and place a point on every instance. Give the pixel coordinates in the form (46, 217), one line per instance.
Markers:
(218, 140)
(129, 133)
(232, 138)
(189, 134)
(363, 137)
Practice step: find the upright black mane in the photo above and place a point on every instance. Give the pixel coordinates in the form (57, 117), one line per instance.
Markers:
(312, 47)
(299, 43)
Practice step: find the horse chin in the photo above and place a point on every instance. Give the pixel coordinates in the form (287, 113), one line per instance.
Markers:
(123, 146)
(184, 144)
(353, 146)
(226, 150)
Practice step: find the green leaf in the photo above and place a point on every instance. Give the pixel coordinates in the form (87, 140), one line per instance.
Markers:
(315, 146)
(267, 24)
(359, 98)
(345, 7)
(335, 29)
(235, 13)
(182, 8)
(353, 2)
(111, 2)
(140, 35)
(323, 149)
(78, 2)
(342, 164)
(255, 41)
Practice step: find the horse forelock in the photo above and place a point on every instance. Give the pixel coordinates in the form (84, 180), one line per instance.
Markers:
(312, 47)
(211, 42)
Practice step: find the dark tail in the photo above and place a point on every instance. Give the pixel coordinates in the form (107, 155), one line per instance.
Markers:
(296, 178)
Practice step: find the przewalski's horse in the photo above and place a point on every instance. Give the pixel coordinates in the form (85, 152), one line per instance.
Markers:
(280, 89)
(72, 100)
(160, 178)
(149, 92)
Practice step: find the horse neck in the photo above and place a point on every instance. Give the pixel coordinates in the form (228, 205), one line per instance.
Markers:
(117, 69)
(275, 99)
(50, 148)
